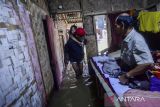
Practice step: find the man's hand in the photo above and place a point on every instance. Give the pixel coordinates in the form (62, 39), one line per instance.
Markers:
(123, 79)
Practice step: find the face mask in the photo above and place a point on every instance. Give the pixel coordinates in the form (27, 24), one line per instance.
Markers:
(81, 39)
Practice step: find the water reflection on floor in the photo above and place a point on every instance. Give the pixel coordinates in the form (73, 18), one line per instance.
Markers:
(74, 93)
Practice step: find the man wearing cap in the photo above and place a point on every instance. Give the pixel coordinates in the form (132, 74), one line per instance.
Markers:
(74, 51)
(135, 54)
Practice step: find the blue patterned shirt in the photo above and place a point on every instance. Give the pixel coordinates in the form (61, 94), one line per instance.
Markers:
(135, 50)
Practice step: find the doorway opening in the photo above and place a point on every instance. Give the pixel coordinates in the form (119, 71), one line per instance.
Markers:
(68, 19)
(101, 33)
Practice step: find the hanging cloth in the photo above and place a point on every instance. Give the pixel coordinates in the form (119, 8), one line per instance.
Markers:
(149, 21)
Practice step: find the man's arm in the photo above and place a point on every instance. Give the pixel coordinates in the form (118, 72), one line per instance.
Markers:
(138, 70)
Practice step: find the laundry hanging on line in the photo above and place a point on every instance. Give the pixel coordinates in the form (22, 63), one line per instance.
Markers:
(149, 21)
